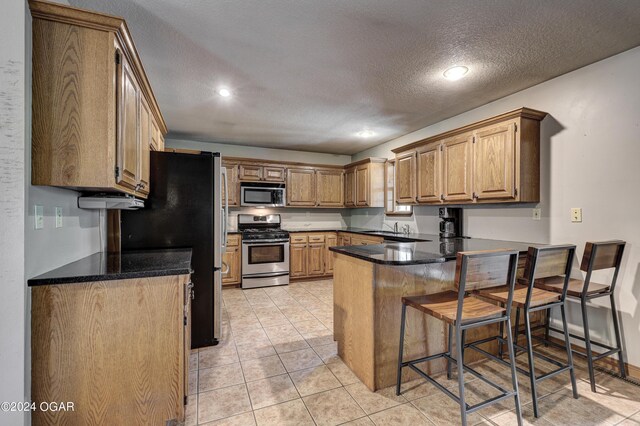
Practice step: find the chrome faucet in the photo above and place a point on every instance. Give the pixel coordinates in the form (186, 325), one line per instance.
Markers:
(406, 229)
(394, 227)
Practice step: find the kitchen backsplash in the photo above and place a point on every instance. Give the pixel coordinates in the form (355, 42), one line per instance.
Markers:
(296, 218)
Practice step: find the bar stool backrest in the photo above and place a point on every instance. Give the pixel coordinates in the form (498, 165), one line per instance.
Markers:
(477, 270)
(602, 255)
(548, 261)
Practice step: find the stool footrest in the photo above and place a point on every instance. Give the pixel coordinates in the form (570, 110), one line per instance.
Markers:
(593, 342)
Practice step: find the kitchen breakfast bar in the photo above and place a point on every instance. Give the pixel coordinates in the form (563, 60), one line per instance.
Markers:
(369, 282)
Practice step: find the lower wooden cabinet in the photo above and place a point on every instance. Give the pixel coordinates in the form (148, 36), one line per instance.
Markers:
(119, 350)
(232, 258)
(331, 240)
(298, 254)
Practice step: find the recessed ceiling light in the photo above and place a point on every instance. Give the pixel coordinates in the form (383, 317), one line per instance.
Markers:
(455, 73)
(366, 133)
(224, 92)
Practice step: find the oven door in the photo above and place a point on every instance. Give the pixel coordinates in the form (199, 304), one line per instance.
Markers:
(262, 196)
(265, 257)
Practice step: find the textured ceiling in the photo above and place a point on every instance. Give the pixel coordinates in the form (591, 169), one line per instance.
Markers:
(309, 74)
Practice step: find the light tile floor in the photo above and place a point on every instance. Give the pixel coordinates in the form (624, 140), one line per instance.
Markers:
(277, 365)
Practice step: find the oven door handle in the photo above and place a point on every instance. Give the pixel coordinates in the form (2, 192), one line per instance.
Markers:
(259, 242)
(266, 274)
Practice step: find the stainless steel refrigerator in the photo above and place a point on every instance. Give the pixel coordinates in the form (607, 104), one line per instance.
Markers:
(185, 210)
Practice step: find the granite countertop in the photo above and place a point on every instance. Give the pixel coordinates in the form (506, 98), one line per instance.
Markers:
(388, 235)
(119, 266)
(418, 253)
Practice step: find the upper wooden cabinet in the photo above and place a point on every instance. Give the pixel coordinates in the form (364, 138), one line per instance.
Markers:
(301, 187)
(491, 161)
(457, 174)
(350, 187)
(232, 198)
(368, 183)
(329, 188)
(94, 113)
(405, 185)
(254, 172)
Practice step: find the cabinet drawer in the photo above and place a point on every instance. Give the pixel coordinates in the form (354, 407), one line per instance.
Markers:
(233, 240)
(250, 172)
(316, 238)
(297, 238)
(274, 174)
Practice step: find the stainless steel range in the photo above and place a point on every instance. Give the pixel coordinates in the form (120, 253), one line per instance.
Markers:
(265, 251)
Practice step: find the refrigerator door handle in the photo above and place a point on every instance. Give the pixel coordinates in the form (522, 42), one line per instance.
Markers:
(225, 211)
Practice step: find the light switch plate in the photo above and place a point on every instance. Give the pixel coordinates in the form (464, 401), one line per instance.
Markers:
(537, 214)
(39, 217)
(576, 214)
(58, 217)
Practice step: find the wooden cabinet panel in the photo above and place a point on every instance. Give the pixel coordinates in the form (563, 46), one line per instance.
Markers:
(350, 187)
(128, 146)
(315, 265)
(145, 145)
(331, 240)
(273, 174)
(494, 168)
(429, 173)
(232, 184)
(330, 188)
(457, 168)
(250, 172)
(155, 133)
(232, 258)
(363, 185)
(405, 181)
(301, 187)
(298, 260)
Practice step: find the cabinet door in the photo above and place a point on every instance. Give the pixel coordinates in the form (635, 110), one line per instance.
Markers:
(232, 258)
(155, 132)
(331, 240)
(330, 188)
(315, 266)
(273, 174)
(301, 187)
(145, 146)
(429, 173)
(494, 162)
(350, 187)
(405, 184)
(298, 260)
(250, 172)
(232, 184)
(128, 145)
(362, 185)
(457, 168)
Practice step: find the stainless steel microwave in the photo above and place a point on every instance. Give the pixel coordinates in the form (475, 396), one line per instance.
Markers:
(256, 194)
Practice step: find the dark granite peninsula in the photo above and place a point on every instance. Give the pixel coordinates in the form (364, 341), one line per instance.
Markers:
(369, 282)
(119, 266)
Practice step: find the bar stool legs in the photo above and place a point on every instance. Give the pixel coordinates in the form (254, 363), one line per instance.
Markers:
(567, 341)
(401, 350)
(587, 345)
(460, 358)
(616, 329)
(512, 361)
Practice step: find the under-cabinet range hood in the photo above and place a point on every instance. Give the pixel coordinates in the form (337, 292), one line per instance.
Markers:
(110, 201)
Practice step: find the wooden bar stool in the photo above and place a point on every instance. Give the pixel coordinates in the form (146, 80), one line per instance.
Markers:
(542, 262)
(474, 271)
(597, 256)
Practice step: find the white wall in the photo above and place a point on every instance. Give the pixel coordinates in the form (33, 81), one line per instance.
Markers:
(228, 150)
(590, 157)
(12, 202)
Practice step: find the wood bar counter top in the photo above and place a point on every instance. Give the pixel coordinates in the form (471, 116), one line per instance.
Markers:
(369, 282)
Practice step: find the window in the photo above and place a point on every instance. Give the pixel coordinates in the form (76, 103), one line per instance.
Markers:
(390, 206)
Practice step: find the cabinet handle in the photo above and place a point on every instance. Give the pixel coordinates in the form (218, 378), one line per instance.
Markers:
(475, 196)
(441, 197)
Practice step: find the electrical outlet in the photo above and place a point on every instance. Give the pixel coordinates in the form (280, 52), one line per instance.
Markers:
(39, 217)
(58, 217)
(537, 214)
(576, 214)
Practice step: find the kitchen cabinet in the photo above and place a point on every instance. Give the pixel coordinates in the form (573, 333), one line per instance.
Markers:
(428, 173)
(364, 240)
(330, 188)
(492, 161)
(256, 172)
(298, 254)
(391, 208)
(315, 262)
(232, 260)
(493, 176)
(457, 168)
(120, 352)
(233, 186)
(369, 182)
(350, 187)
(301, 187)
(331, 240)
(94, 134)
(405, 181)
